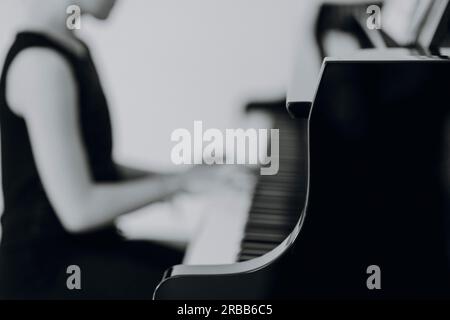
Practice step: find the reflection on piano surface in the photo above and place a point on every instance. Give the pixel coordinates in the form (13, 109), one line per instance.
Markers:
(376, 145)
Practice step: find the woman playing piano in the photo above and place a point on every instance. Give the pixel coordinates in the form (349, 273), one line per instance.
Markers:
(62, 190)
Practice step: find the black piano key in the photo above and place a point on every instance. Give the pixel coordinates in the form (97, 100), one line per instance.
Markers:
(270, 222)
(247, 257)
(256, 252)
(260, 246)
(263, 235)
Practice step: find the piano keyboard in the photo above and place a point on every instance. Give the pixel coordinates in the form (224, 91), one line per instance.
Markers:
(279, 199)
(240, 226)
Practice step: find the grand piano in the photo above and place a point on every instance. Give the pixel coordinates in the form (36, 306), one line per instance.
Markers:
(364, 181)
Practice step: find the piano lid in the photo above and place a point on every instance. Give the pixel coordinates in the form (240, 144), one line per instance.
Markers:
(297, 94)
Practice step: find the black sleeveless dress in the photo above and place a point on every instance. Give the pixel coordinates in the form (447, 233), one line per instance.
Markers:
(35, 250)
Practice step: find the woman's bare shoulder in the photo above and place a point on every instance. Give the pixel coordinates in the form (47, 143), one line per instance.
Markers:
(36, 76)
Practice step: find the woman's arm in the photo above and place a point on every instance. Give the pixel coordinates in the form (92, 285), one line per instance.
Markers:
(42, 90)
(132, 173)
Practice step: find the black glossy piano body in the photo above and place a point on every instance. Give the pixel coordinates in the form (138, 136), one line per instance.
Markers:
(378, 191)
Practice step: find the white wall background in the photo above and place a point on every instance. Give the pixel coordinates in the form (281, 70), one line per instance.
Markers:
(166, 63)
